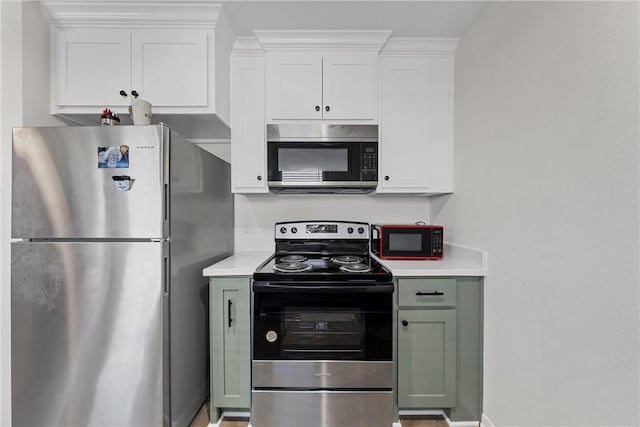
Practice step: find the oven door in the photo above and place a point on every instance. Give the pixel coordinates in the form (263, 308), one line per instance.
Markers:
(322, 322)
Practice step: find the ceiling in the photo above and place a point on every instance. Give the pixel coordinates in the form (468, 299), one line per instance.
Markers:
(404, 18)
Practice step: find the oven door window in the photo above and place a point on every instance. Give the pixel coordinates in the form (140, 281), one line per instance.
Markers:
(321, 326)
(314, 329)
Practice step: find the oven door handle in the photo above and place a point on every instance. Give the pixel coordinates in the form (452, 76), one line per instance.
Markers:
(322, 288)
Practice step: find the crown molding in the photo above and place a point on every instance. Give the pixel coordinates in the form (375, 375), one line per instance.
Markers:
(139, 14)
(247, 46)
(420, 46)
(322, 39)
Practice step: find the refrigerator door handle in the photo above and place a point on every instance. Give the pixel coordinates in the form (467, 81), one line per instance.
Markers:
(165, 279)
(166, 202)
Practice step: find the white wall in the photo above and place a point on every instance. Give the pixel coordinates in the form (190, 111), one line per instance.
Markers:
(255, 215)
(24, 94)
(547, 182)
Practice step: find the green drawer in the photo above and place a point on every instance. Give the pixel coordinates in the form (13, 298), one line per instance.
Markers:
(427, 292)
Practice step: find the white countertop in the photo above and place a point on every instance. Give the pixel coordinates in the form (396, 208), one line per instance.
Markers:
(457, 261)
(239, 264)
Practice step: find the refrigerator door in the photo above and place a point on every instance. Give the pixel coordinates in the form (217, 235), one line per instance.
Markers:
(88, 182)
(88, 343)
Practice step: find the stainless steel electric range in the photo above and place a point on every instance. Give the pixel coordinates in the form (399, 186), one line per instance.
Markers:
(322, 330)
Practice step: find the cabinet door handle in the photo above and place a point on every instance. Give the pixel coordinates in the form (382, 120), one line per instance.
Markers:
(386, 177)
(434, 293)
(229, 304)
(123, 93)
(135, 94)
(259, 177)
(326, 108)
(317, 108)
(405, 323)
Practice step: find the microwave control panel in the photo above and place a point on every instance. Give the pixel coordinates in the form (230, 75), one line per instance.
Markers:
(436, 242)
(369, 162)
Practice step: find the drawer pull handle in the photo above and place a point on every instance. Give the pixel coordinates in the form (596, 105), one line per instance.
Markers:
(435, 293)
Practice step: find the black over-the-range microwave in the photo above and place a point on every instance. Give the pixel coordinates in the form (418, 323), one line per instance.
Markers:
(322, 158)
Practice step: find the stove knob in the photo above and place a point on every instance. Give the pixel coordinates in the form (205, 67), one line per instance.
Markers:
(294, 230)
(283, 230)
(360, 230)
(350, 230)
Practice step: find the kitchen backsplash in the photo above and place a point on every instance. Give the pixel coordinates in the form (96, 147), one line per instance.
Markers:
(256, 214)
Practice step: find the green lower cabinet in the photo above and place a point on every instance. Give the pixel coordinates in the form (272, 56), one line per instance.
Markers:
(426, 358)
(230, 320)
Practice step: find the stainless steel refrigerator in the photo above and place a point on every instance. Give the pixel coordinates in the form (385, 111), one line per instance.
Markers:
(111, 228)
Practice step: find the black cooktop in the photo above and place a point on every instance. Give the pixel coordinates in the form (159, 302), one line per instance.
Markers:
(294, 267)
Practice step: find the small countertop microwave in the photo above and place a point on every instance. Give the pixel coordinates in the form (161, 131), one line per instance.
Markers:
(410, 242)
(322, 158)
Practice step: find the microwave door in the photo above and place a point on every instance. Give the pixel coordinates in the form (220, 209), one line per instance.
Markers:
(317, 166)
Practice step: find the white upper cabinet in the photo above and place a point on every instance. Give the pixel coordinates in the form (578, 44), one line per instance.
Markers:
(174, 55)
(416, 117)
(92, 67)
(248, 144)
(170, 67)
(322, 86)
(329, 75)
(294, 86)
(350, 86)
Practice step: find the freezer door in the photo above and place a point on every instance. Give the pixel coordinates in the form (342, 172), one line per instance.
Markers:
(71, 182)
(87, 334)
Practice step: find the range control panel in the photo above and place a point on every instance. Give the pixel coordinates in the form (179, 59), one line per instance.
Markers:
(321, 230)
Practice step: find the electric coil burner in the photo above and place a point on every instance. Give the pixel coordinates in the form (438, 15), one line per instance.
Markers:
(355, 268)
(347, 259)
(322, 330)
(293, 258)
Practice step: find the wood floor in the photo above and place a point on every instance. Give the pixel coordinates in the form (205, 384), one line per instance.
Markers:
(202, 420)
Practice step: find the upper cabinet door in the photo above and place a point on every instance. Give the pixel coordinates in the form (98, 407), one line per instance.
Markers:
(416, 124)
(350, 86)
(404, 145)
(295, 86)
(92, 67)
(170, 67)
(248, 146)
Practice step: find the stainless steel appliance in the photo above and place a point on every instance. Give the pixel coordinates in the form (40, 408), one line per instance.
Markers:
(415, 241)
(322, 330)
(111, 229)
(321, 158)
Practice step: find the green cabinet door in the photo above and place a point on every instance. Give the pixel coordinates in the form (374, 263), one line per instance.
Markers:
(426, 358)
(230, 316)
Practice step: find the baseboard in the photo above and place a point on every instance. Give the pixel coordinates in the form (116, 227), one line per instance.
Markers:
(441, 413)
(461, 423)
(486, 421)
(230, 414)
(422, 412)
